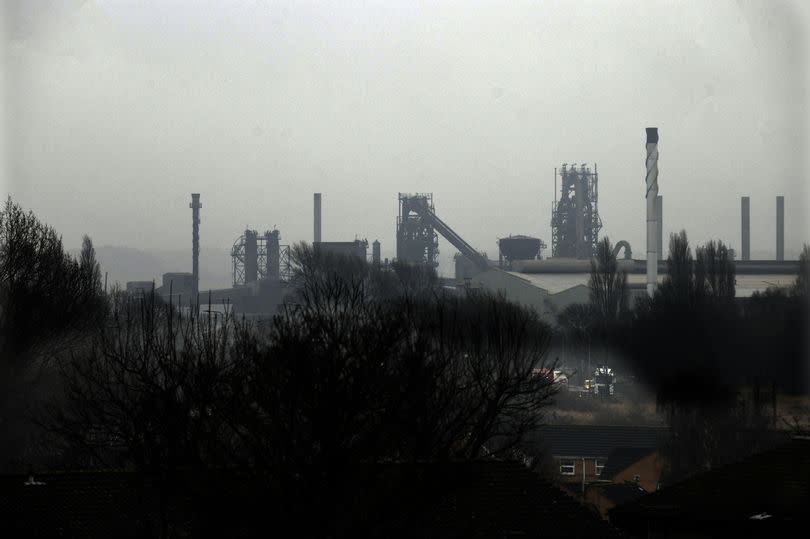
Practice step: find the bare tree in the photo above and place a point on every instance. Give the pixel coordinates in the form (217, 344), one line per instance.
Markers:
(801, 287)
(47, 301)
(608, 284)
(362, 365)
(714, 272)
(151, 392)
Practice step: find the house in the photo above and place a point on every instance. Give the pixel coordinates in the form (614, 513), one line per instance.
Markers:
(579, 453)
(628, 474)
(482, 499)
(765, 495)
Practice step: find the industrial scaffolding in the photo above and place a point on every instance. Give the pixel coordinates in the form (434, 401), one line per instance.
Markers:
(257, 257)
(575, 221)
(417, 240)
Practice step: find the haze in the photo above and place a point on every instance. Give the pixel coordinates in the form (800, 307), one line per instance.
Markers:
(115, 111)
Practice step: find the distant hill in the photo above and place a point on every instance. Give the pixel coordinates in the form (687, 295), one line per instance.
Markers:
(124, 264)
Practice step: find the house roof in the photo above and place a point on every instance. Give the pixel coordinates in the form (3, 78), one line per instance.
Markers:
(620, 493)
(621, 458)
(503, 499)
(464, 499)
(595, 441)
(775, 483)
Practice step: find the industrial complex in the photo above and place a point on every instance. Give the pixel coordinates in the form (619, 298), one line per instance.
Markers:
(261, 263)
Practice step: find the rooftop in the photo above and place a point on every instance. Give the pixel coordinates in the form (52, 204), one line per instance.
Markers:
(596, 441)
(775, 483)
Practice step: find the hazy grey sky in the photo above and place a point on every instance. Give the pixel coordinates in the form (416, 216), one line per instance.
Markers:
(114, 111)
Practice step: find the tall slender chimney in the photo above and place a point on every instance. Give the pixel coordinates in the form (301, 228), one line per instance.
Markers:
(659, 219)
(251, 256)
(375, 253)
(195, 242)
(745, 211)
(317, 235)
(780, 228)
(651, 181)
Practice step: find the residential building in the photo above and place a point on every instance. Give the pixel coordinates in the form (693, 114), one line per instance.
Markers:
(580, 452)
(765, 495)
(628, 474)
(482, 499)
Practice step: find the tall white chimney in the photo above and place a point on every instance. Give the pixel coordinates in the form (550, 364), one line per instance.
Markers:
(659, 218)
(652, 216)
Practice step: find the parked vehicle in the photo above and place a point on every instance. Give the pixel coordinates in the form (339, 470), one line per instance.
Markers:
(603, 381)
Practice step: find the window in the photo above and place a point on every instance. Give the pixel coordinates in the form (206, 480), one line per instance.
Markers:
(567, 467)
(599, 464)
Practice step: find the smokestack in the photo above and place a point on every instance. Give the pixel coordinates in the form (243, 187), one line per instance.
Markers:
(659, 219)
(745, 211)
(317, 235)
(251, 257)
(375, 253)
(195, 242)
(780, 228)
(651, 181)
(273, 254)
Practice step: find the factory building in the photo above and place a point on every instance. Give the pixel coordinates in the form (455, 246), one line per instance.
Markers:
(262, 270)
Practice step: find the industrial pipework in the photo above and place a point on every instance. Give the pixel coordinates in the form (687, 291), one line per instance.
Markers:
(651, 181)
(575, 221)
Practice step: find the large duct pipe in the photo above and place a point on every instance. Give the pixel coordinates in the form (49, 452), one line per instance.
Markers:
(745, 211)
(659, 219)
(317, 235)
(780, 228)
(195, 242)
(651, 181)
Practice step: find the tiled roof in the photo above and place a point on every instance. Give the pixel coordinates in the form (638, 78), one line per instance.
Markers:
(504, 499)
(621, 458)
(774, 483)
(68, 504)
(622, 492)
(595, 441)
(465, 499)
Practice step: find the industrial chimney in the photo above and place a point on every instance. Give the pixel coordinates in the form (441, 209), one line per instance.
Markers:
(375, 253)
(195, 242)
(317, 235)
(251, 256)
(659, 219)
(273, 251)
(745, 211)
(780, 228)
(651, 181)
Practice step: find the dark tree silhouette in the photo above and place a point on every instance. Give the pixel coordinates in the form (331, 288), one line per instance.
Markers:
(686, 343)
(361, 365)
(608, 285)
(47, 301)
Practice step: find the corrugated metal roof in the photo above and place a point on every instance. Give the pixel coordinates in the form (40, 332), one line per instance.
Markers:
(559, 282)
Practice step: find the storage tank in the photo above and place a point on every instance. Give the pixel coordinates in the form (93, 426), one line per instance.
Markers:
(519, 247)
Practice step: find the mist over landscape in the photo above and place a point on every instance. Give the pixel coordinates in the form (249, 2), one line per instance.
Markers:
(117, 110)
(404, 269)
